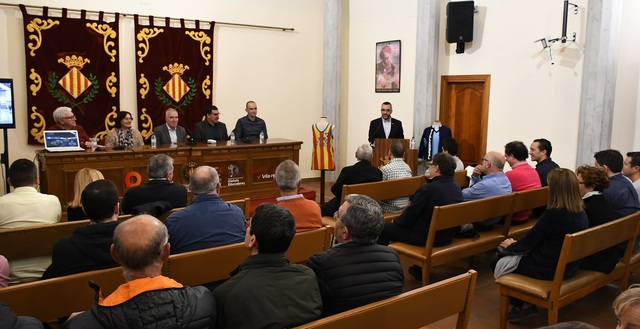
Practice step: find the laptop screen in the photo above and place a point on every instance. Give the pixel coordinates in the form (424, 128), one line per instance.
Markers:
(57, 139)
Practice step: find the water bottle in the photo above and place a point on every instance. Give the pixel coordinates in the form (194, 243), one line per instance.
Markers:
(261, 137)
(232, 138)
(412, 144)
(154, 141)
(94, 143)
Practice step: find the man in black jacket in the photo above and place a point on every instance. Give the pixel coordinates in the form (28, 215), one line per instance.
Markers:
(385, 126)
(88, 247)
(361, 172)
(357, 271)
(147, 299)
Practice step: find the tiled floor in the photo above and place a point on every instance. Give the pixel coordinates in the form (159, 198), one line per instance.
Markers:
(594, 309)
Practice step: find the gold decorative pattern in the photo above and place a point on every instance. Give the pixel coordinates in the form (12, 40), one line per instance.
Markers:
(38, 126)
(36, 26)
(204, 39)
(37, 82)
(205, 87)
(107, 32)
(111, 81)
(144, 35)
(108, 123)
(146, 123)
(145, 86)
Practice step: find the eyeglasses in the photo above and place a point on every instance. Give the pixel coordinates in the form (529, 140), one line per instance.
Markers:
(581, 183)
(73, 117)
(247, 223)
(484, 159)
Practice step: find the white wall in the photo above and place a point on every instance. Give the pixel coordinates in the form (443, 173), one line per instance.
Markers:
(281, 71)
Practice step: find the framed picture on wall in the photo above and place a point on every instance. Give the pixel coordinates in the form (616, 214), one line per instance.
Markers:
(388, 67)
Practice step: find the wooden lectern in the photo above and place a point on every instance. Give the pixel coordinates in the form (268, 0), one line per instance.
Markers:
(381, 151)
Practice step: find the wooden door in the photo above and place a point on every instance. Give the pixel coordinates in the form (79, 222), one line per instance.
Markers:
(464, 107)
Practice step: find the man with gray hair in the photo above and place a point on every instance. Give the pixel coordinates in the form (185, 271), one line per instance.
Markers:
(208, 221)
(147, 299)
(361, 172)
(170, 132)
(65, 119)
(305, 212)
(159, 188)
(374, 271)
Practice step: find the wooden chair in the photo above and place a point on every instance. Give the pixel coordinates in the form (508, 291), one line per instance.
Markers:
(413, 309)
(51, 299)
(558, 293)
(35, 241)
(526, 200)
(382, 190)
(454, 215)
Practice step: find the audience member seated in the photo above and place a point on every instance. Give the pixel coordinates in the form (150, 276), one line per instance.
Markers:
(83, 177)
(522, 176)
(250, 126)
(592, 181)
(450, 146)
(621, 194)
(266, 291)
(305, 212)
(631, 169)
(208, 221)
(394, 169)
(361, 172)
(540, 152)
(627, 308)
(123, 135)
(159, 188)
(147, 299)
(493, 183)
(65, 120)
(9, 320)
(88, 248)
(413, 224)
(541, 246)
(357, 271)
(25, 206)
(211, 127)
(4, 272)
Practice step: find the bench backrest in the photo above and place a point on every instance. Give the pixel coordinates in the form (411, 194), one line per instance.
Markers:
(384, 190)
(214, 264)
(413, 309)
(35, 241)
(587, 242)
(526, 200)
(461, 178)
(243, 204)
(50, 299)
(466, 212)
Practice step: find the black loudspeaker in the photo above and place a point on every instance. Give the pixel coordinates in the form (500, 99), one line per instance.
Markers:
(460, 21)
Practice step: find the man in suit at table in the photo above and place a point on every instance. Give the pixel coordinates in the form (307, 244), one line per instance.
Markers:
(385, 126)
(211, 127)
(170, 132)
(361, 172)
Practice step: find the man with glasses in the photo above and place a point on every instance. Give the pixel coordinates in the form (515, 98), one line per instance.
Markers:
(210, 127)
(65, 120)
(385, 126)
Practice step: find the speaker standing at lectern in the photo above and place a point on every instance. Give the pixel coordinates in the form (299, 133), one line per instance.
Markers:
(385, 126)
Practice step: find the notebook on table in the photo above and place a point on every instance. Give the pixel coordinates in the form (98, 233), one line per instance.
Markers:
(62, 141)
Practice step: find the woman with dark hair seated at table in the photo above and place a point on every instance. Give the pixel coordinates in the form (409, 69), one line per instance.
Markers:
(123, 134)
(593, 181)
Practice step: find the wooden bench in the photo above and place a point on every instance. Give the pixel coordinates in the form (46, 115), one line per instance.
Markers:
(461, 178)
(454, 215)
(48, 300)
(243, 204)
(35, 241)
(526, 200)
(413, 309)
(383, 190)
(555, 294)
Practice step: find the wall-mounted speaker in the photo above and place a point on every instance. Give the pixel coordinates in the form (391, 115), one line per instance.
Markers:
(460, 21)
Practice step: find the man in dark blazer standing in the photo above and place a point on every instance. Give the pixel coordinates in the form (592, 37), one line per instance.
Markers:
(211, 127)
(361, 172)
(385, 126)
(170, 132)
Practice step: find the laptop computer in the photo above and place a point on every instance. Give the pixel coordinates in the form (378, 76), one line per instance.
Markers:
(62, 141)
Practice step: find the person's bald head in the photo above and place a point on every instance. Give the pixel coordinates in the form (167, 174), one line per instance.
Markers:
(493, 162)
(140, 243)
